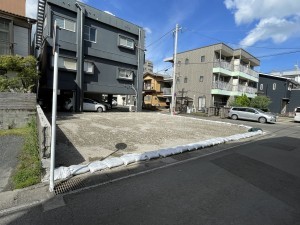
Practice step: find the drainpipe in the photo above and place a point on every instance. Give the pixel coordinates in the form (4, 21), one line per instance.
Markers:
(79, 54)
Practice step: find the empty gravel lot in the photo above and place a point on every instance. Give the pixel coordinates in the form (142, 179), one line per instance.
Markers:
(86, 137)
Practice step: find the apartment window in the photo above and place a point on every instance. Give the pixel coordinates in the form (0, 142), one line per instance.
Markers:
(201, 79)
(89, 67)
(178, 80)
(147, 98)
(187, 61)
(274, 86)
(65, 23)
(202, 59)
(125, 74)
(185, 80)
(89, 34)
(261, 87)
(126, 42)
(4, 37)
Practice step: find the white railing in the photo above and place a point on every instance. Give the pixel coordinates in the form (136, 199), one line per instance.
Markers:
(222, 85)
(223, 64)
(246, 70)
(237, 68)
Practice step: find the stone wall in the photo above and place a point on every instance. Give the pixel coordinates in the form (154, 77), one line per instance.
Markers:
(16, 109)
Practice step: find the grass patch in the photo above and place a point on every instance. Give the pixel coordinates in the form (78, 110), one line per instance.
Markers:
(28, 171)
(201, 114)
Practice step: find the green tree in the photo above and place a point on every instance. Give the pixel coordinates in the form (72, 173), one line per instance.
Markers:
(242, 100)
(25, 68)
(261, 102)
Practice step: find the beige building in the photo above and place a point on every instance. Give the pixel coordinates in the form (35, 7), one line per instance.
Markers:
(13, 6)
(213, 75)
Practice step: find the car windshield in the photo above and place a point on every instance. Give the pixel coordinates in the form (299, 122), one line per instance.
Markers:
(298, 109)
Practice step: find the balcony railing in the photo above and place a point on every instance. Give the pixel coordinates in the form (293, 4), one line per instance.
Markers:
(235, 88)
(167, 91)
(237, 68)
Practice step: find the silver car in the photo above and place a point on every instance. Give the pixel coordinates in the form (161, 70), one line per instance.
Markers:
(88, 105)
(248, 113)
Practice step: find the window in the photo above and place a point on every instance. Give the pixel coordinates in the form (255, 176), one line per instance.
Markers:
(261, 87)
(125, 74)
(88, 67)
(202, 59)
(89, 34)
(126, 42)
(187, 61)
(274, 86)
(65, 23)
(201, 79)
(178, 80)
(4, 37)
(185, 80)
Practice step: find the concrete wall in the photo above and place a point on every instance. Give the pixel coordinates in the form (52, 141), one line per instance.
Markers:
(44, 130)
(16, 109)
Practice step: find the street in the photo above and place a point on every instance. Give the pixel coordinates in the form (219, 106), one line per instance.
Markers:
(256, 182)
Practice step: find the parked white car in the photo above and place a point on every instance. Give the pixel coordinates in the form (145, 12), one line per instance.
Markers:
(297, 114)
(248, 113)
(88, 105)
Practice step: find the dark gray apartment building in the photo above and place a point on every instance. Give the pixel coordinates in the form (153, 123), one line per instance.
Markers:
(99, 53)
(283, 92)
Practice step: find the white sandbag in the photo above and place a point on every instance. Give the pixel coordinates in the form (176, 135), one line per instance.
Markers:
(97, 165)
(141, 157)
(113, 162)
(62, 173)
(129, 158)
(152, 154)
(79, 169)
(165, 152)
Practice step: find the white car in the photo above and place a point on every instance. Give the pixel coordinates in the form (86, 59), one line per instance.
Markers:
(297, 114)
(88, 105)
(248, 113)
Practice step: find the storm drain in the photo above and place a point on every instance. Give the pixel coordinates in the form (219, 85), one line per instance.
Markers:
(68, 185)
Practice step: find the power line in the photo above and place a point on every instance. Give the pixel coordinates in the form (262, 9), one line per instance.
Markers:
(170, 31)
(248, 46)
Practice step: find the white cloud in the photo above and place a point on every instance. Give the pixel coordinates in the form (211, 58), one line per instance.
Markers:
(275, 19)
(31, 8)
(148, 30)
(279, 30)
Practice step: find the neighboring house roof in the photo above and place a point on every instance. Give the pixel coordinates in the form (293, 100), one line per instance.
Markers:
(279, 77)
(30, 20)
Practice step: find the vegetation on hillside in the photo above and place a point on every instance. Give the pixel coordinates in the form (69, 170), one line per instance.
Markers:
(26, 73)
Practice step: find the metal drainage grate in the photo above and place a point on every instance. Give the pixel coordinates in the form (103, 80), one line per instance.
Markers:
(69, 185)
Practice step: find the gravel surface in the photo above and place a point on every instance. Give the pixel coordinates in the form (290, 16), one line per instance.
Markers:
(10, 147)
(88, 136)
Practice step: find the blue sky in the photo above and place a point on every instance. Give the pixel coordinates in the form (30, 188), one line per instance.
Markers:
(265, 28)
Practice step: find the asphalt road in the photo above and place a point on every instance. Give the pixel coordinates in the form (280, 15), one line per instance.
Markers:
(257, 182)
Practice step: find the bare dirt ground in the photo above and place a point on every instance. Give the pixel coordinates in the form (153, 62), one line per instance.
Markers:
(85, 137)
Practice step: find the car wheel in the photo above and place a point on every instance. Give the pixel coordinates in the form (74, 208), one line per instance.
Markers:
(99, 109)
(234, 117)
(262, 120)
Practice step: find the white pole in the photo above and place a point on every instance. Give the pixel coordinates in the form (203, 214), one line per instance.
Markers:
(173, 105)
(54, 108)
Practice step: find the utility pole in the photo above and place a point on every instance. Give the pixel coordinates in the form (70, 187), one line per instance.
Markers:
(54, 105)
(173, 105)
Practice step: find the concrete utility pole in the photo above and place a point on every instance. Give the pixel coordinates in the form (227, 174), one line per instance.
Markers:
(173, 105)
(54, 105)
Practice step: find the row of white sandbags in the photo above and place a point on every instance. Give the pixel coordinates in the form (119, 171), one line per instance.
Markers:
(66, 172)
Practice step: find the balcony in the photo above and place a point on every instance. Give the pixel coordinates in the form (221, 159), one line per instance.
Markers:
(225, 88)
(229, 69)
(167, 91)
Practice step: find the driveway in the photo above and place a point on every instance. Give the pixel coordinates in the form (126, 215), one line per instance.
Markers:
(86, 137)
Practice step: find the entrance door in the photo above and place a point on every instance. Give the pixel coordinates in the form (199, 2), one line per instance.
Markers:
(201, 103)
